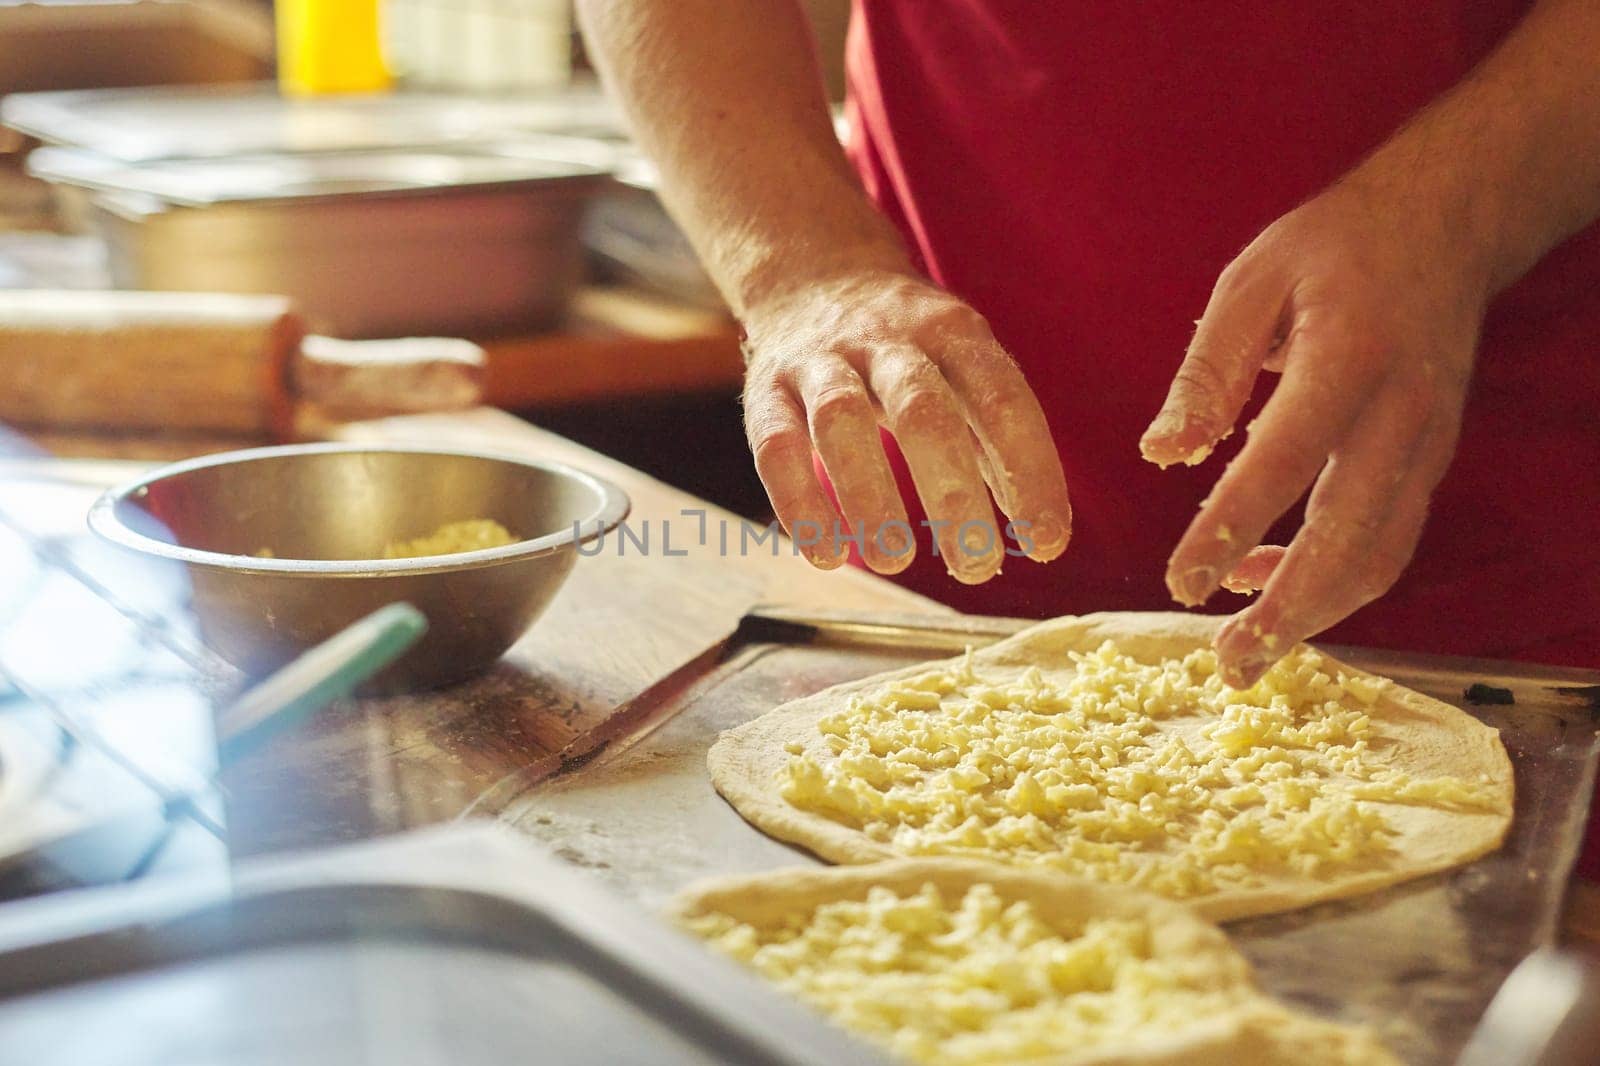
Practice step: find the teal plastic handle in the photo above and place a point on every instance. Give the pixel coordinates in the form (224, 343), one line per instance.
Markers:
(327, 672)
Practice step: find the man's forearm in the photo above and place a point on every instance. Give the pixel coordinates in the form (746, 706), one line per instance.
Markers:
(1509, 158)
(728, 100)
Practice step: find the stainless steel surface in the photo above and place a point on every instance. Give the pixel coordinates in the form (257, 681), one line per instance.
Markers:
(328, 672)
(1546, 1014)
(326, 511)
(301, 178)
(776, 624)
(628, 229)
(106, 744)
(367, 243)
(139, 125)
(1420, 961)
(381, 216)
(472, 262)
(460, 946)
(108, 752)
(462, 259)
(634, 720)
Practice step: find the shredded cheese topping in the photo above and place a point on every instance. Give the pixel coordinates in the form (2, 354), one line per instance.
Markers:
(982, 981)
(472, 535)
(1150, 774)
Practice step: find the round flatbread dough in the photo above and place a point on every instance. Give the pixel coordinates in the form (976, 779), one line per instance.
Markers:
(1104, 746)
(969, 963)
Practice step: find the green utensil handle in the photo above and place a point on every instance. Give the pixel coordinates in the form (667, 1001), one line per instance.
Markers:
(327, 672)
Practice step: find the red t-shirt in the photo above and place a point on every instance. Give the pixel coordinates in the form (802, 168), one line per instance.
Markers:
(1082, 172)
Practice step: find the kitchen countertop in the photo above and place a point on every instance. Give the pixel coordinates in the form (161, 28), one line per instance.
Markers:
(620, 624)
(624, 619)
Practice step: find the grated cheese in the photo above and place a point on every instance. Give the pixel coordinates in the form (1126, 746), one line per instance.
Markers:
(471, 535)
(975, 980)
(1150, 774)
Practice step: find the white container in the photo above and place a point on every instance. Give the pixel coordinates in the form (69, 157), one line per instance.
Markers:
(489, 46)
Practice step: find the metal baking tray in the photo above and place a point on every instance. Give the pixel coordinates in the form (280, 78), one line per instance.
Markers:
(194, 122)
(303, 178)
(462, 945)
(367, 244)
(105, 718)
(1419, 962)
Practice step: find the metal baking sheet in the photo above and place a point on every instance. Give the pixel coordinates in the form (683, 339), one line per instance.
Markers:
(300, 177)
(1419, 962)
(195, 122)
(460, 945)
(105, 716)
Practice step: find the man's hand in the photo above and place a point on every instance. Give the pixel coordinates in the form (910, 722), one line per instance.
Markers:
(1369, 300)
(1370, 309)
(842, 335)
(832, 361)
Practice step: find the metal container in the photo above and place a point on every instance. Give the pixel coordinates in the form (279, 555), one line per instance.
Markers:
(1418, 961)
(325, 511)
(228, 121)
(380, 243)
(462, 946)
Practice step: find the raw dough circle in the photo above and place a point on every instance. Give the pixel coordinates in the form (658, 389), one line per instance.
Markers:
(1234, 1023)
(1413, 733)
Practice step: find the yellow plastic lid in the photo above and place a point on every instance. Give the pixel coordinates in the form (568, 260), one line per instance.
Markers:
(330, 46)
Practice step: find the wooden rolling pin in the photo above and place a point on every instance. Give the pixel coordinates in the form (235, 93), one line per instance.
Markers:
(113, 361)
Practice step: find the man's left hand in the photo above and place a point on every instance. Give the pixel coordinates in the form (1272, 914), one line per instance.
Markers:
(1370, 307)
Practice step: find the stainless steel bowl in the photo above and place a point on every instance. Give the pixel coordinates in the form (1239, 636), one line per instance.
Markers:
(325, 511)
(367, 244)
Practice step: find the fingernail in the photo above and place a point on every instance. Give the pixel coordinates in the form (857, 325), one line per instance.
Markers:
(1239, 586)
(977, 543)
(974, 569)
(1245, 639)
(822, 558)
(1194, 586)
(1168, 423)
(1049, 537)
(972, 575)
(1245, 672)
(891, 549)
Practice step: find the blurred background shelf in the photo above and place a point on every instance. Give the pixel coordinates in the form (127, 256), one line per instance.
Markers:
(636, 357)
(616, 341)
(47, 46)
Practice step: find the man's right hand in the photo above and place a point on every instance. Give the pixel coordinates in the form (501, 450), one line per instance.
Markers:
(842, 335)
(831, 361)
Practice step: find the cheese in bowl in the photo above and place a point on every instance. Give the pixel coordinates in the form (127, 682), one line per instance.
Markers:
(968, 964)
(1108, 747)
(284, 546)
(473, 534)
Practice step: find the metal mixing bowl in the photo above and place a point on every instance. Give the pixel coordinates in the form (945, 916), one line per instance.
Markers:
(325, 511)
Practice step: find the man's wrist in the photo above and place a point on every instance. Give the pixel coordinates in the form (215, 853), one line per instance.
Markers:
(1505, 164)
(1463, 200)
(776, 279)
